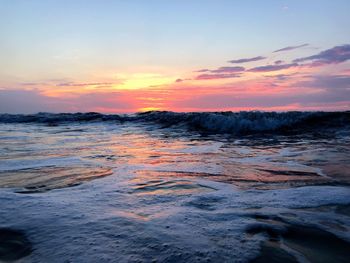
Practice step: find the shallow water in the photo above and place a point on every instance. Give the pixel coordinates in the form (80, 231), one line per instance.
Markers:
(135, 192)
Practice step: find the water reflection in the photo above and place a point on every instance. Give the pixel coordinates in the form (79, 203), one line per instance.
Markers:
(41, 157)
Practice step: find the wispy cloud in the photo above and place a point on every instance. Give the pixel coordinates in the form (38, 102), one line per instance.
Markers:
(274, 85)
(217, 76)
(222, 70)
(335, 55)
(72, 84)
(329, 82)
(244, 60)
(282, 77)
(269, 68)
(227, 70)
(220, 73)
(290, 48)
(202, 70)
(31, 101)
(63, 83)
(32, 83)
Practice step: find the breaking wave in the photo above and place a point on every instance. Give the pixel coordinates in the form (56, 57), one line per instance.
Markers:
(237, 123)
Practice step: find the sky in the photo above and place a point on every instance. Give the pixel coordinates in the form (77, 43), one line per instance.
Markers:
(184, 55)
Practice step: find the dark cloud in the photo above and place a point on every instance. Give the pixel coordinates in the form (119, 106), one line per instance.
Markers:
(244, 60)
(269, 68)
(332, 83)
(223, 70)
(334, 88)
(335, 82)
(202, 70)
(333, 55)
(290, 48)
(280, 77)
(227, 70)
(217, 76)
(220, 73)
(279, 62)
(176, 81)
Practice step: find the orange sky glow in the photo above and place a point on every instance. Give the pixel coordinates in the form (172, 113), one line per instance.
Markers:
(173, 56)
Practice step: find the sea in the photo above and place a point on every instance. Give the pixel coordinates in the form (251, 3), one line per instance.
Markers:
(175, 187)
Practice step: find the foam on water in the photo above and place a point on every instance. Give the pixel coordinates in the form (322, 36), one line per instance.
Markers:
(103, 220)
(10, 165)
(171, 196)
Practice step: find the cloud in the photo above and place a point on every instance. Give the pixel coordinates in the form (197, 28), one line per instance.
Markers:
(331, 83)
(223, 70)
(202, 70)
(335, 55)
(32, 101)
(220, 73)
(278, 62)
(332, 88)
(22, 101)
(227, 70)
(216, 102)
(317, 92)
(335, 82)
(217, 76)
(269, 68)
(72, 84)
(281, 77)
(66, 83)
(232, 101)
(179, 80)
(33, 83)
(244, 60)
(290, 48)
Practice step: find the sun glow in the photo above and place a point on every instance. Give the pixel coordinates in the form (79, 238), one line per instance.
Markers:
(149, 109)
(144, 80)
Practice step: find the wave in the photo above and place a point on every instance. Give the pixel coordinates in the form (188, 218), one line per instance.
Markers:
(252, 122)
(56, 118)
(249, 122)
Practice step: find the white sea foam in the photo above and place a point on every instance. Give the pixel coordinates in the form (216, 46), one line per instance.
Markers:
(20, 164)
(159, 204)
(105, 221)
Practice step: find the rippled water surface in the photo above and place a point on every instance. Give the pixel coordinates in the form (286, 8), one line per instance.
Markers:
(133, 192)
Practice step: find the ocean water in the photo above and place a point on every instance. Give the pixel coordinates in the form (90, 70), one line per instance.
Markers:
(176, 187)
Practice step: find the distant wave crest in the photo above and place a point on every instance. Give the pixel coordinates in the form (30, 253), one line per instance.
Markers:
(239, 123)
(252, 122)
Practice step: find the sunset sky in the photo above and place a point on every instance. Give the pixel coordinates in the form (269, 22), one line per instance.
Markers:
(183, 55)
